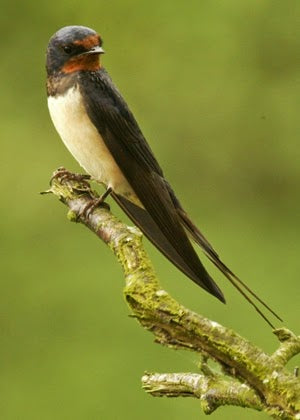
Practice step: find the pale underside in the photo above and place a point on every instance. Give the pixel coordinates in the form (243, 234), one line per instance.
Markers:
(85, 143)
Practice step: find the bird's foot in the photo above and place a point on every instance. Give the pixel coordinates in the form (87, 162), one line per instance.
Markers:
(96, 202)
(64, 175)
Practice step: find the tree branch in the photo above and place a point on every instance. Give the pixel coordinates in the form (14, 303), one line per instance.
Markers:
(213, 392)
(289, 347)
(264, 382)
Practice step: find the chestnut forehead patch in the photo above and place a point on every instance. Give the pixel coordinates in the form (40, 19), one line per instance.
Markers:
(89, 41)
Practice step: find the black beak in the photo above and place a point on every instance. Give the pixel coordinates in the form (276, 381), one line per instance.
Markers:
(95, 50)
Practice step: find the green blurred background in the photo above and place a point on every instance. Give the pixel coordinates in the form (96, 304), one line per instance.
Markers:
(215, 87)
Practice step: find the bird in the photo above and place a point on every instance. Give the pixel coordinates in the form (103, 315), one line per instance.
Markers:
(98, 128)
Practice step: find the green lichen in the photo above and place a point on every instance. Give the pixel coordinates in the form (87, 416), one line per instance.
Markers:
(276, 391)
(72, 216)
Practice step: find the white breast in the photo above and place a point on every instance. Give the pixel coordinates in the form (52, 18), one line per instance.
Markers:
(84, 141)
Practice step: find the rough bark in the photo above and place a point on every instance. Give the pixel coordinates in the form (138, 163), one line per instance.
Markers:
(251, 378)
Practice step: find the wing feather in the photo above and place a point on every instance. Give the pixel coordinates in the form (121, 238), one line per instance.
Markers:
(121, 134)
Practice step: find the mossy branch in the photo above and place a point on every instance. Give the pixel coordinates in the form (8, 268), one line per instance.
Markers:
(251, 378)
(213, 391)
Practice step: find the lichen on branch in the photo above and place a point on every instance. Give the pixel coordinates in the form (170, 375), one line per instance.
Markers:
(251, 378)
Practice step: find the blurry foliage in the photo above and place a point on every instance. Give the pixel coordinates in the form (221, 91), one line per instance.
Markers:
(216, 89)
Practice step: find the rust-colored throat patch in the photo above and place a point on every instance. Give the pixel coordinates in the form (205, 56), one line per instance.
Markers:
(87, 62)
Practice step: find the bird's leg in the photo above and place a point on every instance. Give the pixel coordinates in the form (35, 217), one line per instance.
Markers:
(99, 201)
(64, 176)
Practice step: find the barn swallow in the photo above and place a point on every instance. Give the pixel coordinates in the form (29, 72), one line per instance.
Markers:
(102, 134)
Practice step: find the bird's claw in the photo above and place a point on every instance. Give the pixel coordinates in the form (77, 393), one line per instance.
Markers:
(99, 201)
(91, 205)
(65, 175)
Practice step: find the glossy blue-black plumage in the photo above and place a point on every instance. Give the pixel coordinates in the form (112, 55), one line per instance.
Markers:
(161, 218)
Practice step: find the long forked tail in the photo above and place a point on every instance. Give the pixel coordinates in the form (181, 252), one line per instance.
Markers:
(214, 258)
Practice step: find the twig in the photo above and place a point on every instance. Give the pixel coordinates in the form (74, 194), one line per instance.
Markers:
(289, 347)
(213, 392)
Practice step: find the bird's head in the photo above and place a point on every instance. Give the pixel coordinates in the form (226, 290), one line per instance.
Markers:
(73, 48)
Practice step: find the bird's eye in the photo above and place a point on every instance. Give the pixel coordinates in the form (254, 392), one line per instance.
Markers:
(67, 49)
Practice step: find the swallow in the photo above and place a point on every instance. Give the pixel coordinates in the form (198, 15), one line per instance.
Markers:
(98, 128)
